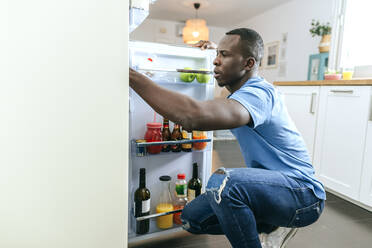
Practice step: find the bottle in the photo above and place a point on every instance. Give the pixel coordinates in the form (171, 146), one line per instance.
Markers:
(142, 204)
(181, 185)
(194, 185)
(186, 136)
(165, 204)
(166, 135)
(176, 136)
(180, 199)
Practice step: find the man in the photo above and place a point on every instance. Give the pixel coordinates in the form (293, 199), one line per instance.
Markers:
(278, 191)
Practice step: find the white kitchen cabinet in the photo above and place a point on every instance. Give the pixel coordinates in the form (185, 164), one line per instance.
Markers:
(302, 106)
(366, 179)
(341, 136)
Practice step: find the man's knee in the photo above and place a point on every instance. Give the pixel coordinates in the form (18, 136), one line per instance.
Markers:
(217, 184)
(188, 224)
(186, 213)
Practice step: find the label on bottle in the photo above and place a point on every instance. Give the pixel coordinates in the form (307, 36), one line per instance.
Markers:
(190, 195)
(186, 136)
(181, 190)
(146, 206)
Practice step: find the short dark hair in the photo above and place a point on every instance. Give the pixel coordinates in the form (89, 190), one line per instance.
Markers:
(251, 42)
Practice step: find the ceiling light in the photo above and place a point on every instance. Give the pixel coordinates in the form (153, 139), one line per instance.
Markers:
(195, 29)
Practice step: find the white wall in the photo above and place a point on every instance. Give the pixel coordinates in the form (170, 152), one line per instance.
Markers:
(63, 123)
(152, 30)
(293, 18)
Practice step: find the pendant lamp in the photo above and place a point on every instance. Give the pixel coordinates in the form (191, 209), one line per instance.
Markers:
(195, 29)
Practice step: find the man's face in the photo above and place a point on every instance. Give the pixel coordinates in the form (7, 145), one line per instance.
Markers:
(229, 62)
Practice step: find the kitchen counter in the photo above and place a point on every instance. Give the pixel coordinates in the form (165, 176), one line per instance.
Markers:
(325, 82)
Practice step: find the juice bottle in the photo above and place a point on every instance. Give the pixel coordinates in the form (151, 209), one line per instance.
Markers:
(165, 204)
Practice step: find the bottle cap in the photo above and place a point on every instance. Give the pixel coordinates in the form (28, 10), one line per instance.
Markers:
(181, 176)
(165, 178)
(142, 170)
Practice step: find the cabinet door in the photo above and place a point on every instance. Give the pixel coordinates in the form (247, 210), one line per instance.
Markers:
(366, 182)
(301, 102)
(343, 117)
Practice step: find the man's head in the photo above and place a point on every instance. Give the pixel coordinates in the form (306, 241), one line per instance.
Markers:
(238, 55)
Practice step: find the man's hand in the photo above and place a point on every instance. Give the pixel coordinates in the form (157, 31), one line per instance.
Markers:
(205, 44)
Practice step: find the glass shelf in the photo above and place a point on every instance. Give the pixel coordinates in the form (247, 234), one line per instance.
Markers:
(173, 77)
(144, 144)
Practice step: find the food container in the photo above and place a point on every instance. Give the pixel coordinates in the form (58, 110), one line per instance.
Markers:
(332, 76)
(153, 134)
(199, 135)
(140, 150)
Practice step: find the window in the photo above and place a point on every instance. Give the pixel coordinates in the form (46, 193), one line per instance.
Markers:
(356, 49)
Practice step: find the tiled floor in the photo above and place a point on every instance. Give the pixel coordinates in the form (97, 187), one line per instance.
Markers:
(342, 224)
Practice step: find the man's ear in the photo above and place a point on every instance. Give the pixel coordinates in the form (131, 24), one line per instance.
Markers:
(250, 63)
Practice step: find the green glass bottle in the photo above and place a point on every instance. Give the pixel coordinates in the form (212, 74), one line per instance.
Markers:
(194, 185)
(142, 204)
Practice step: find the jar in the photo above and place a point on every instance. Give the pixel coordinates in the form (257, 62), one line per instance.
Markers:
(165, 204)
(153, 134)
(199, 135)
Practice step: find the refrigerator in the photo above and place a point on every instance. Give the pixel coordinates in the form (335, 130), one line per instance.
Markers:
(160, 63)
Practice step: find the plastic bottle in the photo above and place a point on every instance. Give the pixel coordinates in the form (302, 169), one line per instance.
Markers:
(181, 197)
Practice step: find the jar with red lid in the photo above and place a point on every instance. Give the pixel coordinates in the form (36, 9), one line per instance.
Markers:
(153, 134)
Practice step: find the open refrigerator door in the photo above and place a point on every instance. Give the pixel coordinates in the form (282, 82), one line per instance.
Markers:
(165, 65)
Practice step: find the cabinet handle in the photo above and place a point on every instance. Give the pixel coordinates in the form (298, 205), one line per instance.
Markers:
(343, 91)
(312, 104)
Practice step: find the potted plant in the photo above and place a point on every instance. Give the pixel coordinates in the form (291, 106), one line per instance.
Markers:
(324, 31)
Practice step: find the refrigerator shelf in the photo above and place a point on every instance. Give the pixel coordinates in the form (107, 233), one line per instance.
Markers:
(176, 70)
(158, 215)
(162, 76)
(154, 230)
(144, 144)
(139, 149)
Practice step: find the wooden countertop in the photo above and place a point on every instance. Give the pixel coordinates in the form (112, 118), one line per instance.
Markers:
(326, 82)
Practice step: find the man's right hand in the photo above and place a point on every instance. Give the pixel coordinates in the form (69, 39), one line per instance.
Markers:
(205, 44)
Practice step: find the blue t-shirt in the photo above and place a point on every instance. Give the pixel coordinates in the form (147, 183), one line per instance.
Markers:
(272, 142)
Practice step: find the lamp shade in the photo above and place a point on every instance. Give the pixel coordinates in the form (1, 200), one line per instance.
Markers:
(195, 30)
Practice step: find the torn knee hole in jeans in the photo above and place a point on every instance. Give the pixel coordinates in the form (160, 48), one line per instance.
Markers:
(185, 225)
(218, 191)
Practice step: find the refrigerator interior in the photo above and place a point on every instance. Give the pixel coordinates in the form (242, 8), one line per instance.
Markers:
(159, 61)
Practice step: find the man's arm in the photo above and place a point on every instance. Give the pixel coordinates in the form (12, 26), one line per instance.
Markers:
(190, 113)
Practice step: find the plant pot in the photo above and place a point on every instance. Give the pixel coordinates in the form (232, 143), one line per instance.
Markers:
(325, 43)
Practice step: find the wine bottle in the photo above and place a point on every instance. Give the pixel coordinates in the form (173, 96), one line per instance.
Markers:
(142, 204)
(194, 185)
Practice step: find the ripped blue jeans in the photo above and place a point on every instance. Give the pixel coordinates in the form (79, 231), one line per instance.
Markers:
(243, 202)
